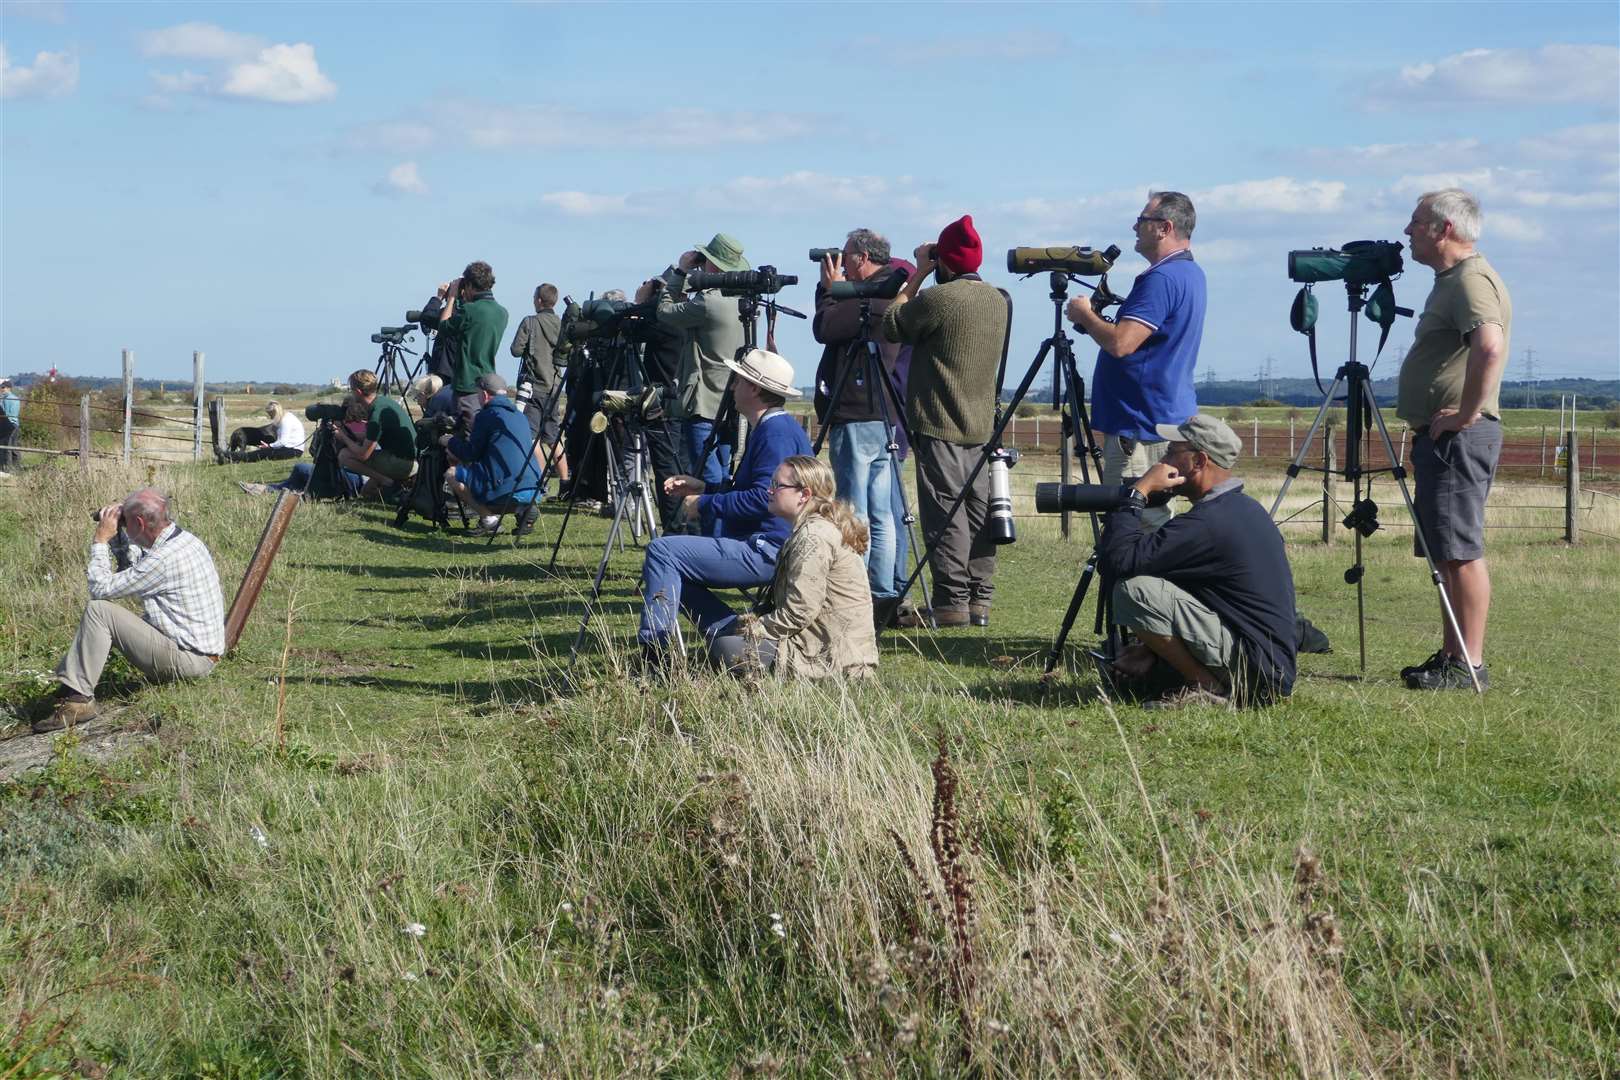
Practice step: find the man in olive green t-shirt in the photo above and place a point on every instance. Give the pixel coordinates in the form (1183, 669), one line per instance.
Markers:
(1448, 393)
(387, 452)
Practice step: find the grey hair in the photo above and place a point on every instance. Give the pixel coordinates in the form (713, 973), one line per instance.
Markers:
(613, 294)
(150, 505)
(1177, 209)
(1456, 206)
(873, 245)
(492, 382)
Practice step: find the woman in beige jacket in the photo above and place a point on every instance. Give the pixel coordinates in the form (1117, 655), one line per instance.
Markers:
(820, 617)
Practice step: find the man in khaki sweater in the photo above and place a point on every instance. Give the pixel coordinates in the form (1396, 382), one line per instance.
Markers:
(957, 331)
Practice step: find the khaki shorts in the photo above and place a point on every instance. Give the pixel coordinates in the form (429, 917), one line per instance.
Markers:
(1154, 606)
(391, 466)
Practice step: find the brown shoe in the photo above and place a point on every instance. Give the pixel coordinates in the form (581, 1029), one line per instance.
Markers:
(67, 714)
(978, 614)
(941, 617)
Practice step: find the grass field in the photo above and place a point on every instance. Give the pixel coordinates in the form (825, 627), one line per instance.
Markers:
(394, 836)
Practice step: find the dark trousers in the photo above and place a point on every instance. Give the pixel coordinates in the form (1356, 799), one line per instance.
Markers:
(267, 453)
(8, 439)
(664, 449)
(963, 559)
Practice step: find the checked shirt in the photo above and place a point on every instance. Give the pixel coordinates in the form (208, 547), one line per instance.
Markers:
(178, 586)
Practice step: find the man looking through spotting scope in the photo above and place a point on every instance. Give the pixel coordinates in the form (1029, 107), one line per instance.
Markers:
(957, 331)
(476, 323)
(1210, 593)
(858, 439)
(714, 335)
(1145, 359)
(533, 343)
(1448, 393)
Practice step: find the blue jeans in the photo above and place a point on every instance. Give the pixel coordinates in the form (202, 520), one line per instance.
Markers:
(859, 455)
(688, 567)
(302, 473)
(715, 470)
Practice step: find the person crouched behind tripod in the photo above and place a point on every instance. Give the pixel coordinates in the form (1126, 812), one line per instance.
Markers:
(819, 621)
(1210, 593)
(280, 440)
(685, 568)
(492, 465)
(182, 632)
(386, 454)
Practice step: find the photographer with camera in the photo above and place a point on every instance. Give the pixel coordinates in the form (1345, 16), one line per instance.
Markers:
(181, 633)
(1145, 359)
(493, 464)
(1209, 593)
(536, 337)
(683, 569)
(1448, 392)
(475, 323)
(714, 335)
(957, 331)
(858, 442)
(386, 453)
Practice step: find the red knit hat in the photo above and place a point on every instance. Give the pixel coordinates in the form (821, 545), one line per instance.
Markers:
(959, 250)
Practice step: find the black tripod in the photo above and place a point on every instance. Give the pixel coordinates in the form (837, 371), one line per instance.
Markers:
(395, 374)
(882, 388)
(1361, 410)
(430, 468)
(725, 417)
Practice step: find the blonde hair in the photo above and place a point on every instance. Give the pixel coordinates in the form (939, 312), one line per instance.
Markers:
(363, 382)
(816, 477)
(273, 410)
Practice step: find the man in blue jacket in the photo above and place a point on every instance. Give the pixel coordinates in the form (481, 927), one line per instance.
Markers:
(1209, 593)
(493, 465)
(684, 568)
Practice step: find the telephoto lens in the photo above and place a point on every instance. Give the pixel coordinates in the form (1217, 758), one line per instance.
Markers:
(1000, 524)
(524, 394)
(818, 254)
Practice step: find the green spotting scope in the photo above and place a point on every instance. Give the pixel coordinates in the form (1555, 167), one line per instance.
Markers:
(1067, 260)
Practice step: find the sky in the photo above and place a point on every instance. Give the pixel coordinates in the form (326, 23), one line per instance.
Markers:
(270, 183)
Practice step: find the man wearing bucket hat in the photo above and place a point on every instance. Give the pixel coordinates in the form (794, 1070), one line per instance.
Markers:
(1210, 592)
(713, 338)
(683, 569)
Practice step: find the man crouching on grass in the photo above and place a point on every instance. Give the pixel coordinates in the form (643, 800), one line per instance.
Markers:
(181, 631)
(1210, 593)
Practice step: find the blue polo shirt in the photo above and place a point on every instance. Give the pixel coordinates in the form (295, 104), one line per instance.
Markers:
(1154, 385)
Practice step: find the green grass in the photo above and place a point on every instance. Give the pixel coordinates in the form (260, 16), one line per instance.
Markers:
(596, 863)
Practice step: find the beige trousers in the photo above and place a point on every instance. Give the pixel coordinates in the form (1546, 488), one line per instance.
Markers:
(106, 626)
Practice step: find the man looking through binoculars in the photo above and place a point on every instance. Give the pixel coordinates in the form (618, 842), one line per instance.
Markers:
(1145, 359)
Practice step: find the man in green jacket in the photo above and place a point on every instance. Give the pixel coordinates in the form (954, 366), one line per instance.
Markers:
(478, 323)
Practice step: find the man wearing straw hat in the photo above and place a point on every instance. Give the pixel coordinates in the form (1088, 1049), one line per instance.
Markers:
(683, 569)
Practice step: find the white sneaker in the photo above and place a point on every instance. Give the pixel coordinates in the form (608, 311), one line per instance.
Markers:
(489, 525)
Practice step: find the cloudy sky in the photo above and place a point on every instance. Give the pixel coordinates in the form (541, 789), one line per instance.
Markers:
(270, 183)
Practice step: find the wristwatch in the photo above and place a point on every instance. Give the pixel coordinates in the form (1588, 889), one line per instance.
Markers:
(1134, 499)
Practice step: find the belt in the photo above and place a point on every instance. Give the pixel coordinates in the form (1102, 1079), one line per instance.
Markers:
(196, 652)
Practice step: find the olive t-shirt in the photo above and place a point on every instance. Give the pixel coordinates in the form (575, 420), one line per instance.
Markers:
(1465, 297)
(389, 426)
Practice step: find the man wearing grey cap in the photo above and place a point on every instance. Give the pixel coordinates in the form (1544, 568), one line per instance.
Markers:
(492, 465)
(1209, 593)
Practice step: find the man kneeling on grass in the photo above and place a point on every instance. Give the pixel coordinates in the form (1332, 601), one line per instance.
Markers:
(182, 632)
(1210, 593)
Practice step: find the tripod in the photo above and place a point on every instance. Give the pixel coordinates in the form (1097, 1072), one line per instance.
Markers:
(888, 399)
(1361, 409)
(394, 373)
(430, 466)
(725, 417)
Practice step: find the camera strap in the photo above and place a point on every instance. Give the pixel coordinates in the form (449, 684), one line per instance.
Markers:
(1006, 341)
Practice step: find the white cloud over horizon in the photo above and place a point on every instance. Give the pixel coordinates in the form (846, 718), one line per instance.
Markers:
(403, 179)
(246, 66)
(52, 74)
(1556, 74)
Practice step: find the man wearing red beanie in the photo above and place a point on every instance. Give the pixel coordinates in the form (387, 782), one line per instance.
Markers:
(957, 331)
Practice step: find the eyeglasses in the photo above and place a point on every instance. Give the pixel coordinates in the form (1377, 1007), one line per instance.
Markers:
(1147, 217)
(775, 487)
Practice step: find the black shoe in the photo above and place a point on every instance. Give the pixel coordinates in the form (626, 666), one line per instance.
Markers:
(1433, 663)
(1451, 675)
(525, 520)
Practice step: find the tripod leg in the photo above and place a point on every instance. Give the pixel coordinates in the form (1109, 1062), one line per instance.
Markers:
(1305, 447)
(1423, 542)
(894, 417)
(1075, 602)
(573, 494)
(596, 585)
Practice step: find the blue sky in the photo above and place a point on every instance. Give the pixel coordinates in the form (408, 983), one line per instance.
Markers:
(271, 182)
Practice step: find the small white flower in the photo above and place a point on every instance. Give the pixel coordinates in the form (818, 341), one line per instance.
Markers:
(776, 925)
(1116, 937)
(566, 906)
(410, 976)
(415, 929)
(259, 838)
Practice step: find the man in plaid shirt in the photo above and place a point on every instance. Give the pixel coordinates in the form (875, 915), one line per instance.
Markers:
(182, 632)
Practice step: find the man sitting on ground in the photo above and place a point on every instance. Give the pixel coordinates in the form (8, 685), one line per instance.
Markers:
(493, 465)
(685, 568)
(1210, 593)
(183, 630)
(386, 453)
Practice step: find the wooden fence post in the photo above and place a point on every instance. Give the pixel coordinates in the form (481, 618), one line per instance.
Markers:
(1572, 490)
(1329, 463)
(129, 398)
(197, 418)
(1257, 436)
(84, 433)
(1291, 450)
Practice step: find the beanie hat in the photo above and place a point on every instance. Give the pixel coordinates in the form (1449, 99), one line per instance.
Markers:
(959, 250)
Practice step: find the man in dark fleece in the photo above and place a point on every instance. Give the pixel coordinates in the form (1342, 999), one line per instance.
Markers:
(1210, 593)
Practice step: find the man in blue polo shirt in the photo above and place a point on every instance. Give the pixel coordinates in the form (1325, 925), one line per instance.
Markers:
(1144, 375)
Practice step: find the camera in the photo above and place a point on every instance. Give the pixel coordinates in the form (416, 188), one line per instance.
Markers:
(1068, 260)
(818, 255)
(1360, 262)
(391, 335)
(438, 424)
(524, 393)
(759, 282)
(635, 406)
(1000, 523)
(884, 288)
(1090, 498)
(324, 413)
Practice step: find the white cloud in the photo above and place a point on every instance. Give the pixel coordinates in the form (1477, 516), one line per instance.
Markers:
(282, 74)
(1550, 75)
(1278, 195)
(1514, 227)
(790, 194)
(48, 11)
(588, 204)
(402, 179)
(199, 41)
(50, 75)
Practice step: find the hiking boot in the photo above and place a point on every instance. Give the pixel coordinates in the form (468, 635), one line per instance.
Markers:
(489, 525)
(1187, 696)
(1433, 663)
(67, 714)
(526, 518)
(1452, 674)
(941, 617)
(978, 614)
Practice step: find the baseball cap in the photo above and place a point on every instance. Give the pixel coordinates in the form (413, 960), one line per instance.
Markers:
(1208, 434)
